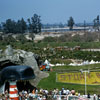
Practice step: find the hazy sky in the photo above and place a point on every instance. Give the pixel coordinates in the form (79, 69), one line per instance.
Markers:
(51, 11)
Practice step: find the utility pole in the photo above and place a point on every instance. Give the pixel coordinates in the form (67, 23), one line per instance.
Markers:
(85, 71)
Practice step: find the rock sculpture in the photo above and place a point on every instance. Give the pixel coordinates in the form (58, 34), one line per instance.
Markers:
(21, 57)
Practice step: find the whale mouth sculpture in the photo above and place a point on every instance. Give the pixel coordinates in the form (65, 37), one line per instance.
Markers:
(19, 73)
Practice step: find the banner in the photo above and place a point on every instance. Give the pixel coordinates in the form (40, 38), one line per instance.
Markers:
(92, 78)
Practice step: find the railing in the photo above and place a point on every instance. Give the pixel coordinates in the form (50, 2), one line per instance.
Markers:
(69, 97)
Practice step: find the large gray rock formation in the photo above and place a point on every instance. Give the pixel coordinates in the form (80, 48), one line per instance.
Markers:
(21, 57)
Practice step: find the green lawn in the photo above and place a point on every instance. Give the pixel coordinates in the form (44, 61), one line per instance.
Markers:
(50, 82)
(92, 67)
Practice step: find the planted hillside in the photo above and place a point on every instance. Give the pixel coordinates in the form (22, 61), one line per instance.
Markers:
(56, 53)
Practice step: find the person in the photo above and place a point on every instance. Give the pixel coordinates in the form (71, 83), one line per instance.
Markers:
(54, 97)
(44, 98)
(73, 92)
(54, 91)
(88, 96)
(58, 97)
(76, 93)
(98, 97)
(46, 91)
(62, 91)
(94, 97)
(67, 91)
(79, 94)
(40, 97)
(59, 92)
(41, 91)
(21, 95)
(33, 92)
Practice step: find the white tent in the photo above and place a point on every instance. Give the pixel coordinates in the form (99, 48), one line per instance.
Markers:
(46, 62)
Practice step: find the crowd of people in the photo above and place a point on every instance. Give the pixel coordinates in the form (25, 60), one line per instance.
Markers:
(55, 94)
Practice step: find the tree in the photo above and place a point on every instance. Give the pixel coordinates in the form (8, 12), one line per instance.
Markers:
(34, 24)
(95, 24)
(0, 28)
(71, 23)
(29, 25)
(32, 36)
(9, 26)
(98, 22)
(23, 26)
(84, 25)
(18, 26)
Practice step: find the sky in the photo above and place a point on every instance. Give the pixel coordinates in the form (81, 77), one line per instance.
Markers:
(51, 11)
